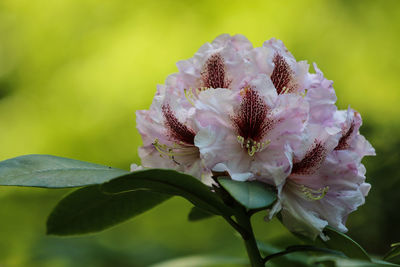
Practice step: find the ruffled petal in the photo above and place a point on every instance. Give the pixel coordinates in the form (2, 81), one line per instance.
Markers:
(322, 98)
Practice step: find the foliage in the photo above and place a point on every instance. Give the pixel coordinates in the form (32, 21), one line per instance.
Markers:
(71, 81)
(88, 210)
(109, 199)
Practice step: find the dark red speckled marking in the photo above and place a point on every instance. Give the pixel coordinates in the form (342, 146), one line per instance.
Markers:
(177, 130)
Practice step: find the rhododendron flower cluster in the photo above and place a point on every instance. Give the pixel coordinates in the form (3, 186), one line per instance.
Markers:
(259, 114)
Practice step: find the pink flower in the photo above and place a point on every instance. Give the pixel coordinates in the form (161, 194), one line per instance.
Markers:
(248, 132)
(220, 64)
(258, 114)
(327, 180)
(274, 60)
(322, 99)
(168, 133)
(167, 128)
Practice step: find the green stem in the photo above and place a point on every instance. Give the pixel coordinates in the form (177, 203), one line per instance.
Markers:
(242, 225)
(236, 226)
(249, 239)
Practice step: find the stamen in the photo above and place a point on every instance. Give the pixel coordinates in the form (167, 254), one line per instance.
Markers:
(189, 96)
(164, 150)
(193, 94)
(252, 146)
(304, 94)
(313, 194)
(284, 90)
(174, 150)
(213, 74)
(282, 75)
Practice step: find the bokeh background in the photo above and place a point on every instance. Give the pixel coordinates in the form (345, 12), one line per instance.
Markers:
(73, 73)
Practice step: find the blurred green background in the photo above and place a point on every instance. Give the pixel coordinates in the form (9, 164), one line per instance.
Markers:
(73, 73)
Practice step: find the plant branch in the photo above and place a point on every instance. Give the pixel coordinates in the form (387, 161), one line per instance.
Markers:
(236, 226)
(242, 224)
(249, 239)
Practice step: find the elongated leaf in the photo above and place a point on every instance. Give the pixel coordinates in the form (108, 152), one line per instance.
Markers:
(295, 256)
(204, 261)
(252, 195)
(53, 172)
(169, 182)
(273, 253)
(334, 261)
(88, 210)
(384, 263)
(197, 214)
(299, 259)
(337, 241)
(296, 259)
(393, 253)
(342, 242)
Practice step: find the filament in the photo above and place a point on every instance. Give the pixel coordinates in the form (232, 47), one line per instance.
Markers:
(313, 194)
(180, 149)
(252, 146)
(193, 94)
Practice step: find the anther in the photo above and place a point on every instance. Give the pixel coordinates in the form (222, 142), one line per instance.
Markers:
(193, 94)
(313, 194)
(252, 146)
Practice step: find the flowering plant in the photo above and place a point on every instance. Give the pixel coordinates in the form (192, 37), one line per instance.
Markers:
(238, 130)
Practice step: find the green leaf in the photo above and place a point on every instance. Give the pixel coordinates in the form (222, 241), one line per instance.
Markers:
(296, 256)
(53, 172)
(337, 241)
(197, 214)
(307, 248)
(299, 258)
(296, 259)
(393, 253)
(204, 261)
(252, 195)
(384, 263)
(334, 261)
(342, 242)
(170, 182)
(88, 210)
